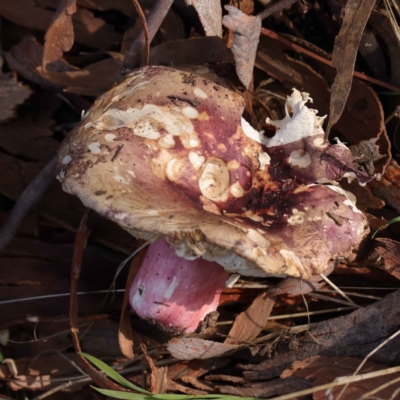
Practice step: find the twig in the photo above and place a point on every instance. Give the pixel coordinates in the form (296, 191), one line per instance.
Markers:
(134, 54)
(323, 60)
(145, 30)
(29, 197)
(276, 7)
(79, 249)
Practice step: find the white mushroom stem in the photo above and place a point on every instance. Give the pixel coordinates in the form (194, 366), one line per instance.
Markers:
(176, 293)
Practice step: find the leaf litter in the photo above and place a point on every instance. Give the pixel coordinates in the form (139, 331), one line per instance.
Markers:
(58, 57)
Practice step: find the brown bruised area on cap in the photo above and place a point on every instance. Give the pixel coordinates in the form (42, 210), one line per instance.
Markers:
(164, 154)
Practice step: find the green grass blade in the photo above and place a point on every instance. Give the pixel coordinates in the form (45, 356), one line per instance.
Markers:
(102, 366)
(115, 394)
(392, 221)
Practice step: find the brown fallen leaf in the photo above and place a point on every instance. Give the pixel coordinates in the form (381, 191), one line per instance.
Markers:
(27, 55)
(344, 54)
(388, 188)
(322, 370)
(250, 323)
(89, 30)
(189, 348)
(246, 34)
(12, 93)
(93, 80)
(193, 51)
(389, 251)
(210, 14)
(59, 37)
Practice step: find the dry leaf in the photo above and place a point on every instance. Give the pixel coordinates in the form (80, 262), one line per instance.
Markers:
(344, 54)
(210, 14)
(59, 37)
(12, 93)
(93, 80)
(388, 188)
(323, 370)
(246, 34)
(89, 30)
(193, 51)
(187, 348)
(251, 322)
(389, 250)
(27, 55)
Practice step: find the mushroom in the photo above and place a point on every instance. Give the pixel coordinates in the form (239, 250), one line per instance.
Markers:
(166, 155)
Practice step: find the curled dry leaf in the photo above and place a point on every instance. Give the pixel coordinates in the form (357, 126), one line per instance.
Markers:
(210, 14)
(246, 34)
(344, 54)
(12, 93)
(59, 37)
(26, 56)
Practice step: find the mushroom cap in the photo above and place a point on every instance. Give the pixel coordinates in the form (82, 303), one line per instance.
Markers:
(166, 154)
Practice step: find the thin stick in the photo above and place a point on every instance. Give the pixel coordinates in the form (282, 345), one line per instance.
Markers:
(276, 7)
(145, 30)
(338, 382)
(309, 53)
(76, 266)
(29, 197)
(332, 285)
(134, 54)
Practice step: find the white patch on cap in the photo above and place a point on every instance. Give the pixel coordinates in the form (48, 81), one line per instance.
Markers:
(196, 160)
(350, 176)
(319, 142)
(61, 175)
(297, 217)
(173, 169)
(214, 179)
(293, 265)
(167, 141)
(121, 215)
(199, 93)
(66, 160)
(301, 124)
(258, 239)
(193, 143)
(94, 147)
(350, 198)
(251, 133)
(237, 190)
(110, 137)
(171, 288)
(190, 112)
(264, 159)
(299, 158)
(146, 130)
